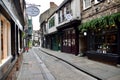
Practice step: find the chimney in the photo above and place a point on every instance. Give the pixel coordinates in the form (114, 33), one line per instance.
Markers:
(52, 4)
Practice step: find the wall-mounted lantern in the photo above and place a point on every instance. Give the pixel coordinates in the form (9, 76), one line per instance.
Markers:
(85, 33)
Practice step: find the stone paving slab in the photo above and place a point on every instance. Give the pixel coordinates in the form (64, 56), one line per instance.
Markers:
(30, 70)
(101, 70)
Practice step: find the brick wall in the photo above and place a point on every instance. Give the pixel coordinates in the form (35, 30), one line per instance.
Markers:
(99, 10)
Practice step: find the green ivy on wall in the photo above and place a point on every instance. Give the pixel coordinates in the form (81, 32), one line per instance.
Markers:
(100, 23)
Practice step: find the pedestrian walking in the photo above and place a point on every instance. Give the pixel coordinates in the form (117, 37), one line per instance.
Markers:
(27, 49)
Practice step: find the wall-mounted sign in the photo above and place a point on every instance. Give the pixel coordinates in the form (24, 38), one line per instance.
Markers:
(32, 11)
(68, 16)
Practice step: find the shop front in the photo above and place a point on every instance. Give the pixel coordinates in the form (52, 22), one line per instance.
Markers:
(103, 38)
(52, 42)
(55, 42)
(47, 41)
(69, 37)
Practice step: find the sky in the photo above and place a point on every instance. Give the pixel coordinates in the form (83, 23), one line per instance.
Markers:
(44, 5)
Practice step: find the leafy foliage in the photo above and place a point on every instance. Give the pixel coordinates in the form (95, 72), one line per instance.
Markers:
(101, 23)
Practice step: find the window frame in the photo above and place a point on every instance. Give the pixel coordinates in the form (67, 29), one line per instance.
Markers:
(52, 22)
(84, 5)
(96, 1)
(5, 53)
(68, 8)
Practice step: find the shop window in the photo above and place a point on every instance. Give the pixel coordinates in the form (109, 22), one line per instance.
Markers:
(5, 39)
(73, 41)
(106, 41)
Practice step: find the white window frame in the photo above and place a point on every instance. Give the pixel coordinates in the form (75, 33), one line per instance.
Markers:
(84, 5)
(96, 2)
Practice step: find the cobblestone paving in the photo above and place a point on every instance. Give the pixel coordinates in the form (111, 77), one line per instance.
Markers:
(98, 69)
(30, 70)
(61, 70)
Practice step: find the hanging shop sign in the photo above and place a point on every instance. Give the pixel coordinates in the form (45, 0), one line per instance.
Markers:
(32, 11)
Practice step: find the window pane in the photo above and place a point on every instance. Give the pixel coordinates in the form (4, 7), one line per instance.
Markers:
(87, 3)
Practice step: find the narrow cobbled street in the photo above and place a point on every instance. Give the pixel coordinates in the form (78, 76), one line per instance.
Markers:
(40, 66)
(37, 65)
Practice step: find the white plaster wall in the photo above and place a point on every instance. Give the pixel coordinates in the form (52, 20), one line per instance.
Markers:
(75, 6)
(76, 14)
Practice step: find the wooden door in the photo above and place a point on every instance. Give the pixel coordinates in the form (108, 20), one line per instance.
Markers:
(73, 42)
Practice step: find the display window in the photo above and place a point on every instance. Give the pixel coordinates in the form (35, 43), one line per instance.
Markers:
(4, 38)
(106, 41)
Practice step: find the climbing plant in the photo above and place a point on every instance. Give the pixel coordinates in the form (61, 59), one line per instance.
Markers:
(101, 23)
